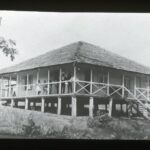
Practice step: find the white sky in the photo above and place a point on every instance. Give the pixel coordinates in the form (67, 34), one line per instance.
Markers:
(35, 33)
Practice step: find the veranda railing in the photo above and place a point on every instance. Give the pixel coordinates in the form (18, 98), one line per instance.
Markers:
(81, 87)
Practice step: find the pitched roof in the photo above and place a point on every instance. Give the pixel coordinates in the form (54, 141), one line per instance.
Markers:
(80, 52)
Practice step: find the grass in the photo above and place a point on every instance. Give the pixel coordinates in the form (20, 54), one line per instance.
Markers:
(17, 123)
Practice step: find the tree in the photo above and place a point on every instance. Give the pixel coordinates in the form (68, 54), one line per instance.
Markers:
(8, 47)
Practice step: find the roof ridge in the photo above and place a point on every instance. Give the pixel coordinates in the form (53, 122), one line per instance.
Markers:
(79, 44)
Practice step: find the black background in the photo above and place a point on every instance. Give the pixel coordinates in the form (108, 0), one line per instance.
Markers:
(74, 6)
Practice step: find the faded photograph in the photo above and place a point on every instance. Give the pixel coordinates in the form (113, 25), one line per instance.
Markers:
(74, 75)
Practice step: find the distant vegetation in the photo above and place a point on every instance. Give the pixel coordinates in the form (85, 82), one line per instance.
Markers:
(8, 46)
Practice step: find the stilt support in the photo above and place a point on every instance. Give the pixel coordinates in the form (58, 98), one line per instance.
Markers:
(74, 106)
(91, 106)
(26, 104)
(59, 106)
(12, 103)
(43, 105)
(110, 106)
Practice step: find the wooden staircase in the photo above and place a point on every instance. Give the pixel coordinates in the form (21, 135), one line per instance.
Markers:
(143, 108)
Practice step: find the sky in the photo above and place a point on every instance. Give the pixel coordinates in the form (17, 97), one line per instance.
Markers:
(35, 33)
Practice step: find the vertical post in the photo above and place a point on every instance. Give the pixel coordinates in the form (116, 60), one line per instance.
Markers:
(91, 106)
(48, 78)
(60, 72)
(74, 81)
(110, 107)
(17, 85)
(1, 86)
(43, 105)
(12, 103)
(37, 80)
(135, 86)
(59, 106)
(74, 106)
(108, 83)
(26, 104)
(27, 84)
(127, 109)
(123, 86)
(10, 86)
(91, 81)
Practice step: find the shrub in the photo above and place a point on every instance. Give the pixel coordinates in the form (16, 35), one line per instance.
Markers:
(31, 129)
(98, 121)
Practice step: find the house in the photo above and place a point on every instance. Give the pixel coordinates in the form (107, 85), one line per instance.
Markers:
(79, 79)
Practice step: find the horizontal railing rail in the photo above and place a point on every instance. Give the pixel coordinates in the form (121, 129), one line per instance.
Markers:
(81, 87)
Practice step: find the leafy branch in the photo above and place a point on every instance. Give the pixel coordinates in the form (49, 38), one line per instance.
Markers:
(8, 47)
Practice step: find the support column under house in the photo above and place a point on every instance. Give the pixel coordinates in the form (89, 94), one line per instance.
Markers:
(12, 103)
(91, 106)
(74, 106)
(42, 104)
(110, 106)
(59, 106)
(91, 99)
(26, 104)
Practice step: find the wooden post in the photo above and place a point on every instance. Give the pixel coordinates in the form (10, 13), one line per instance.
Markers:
(26, 104)
(108, 84)
(123, 86)
(37, 79)
(10, 86)
(74, 106)
(59, 106)
(60, 72)
(127, 109)
(135, 86)
(12, 103)
(42, 104)
(110, 106)
(91, 106)
(2, 86)
(91, 81)
(74, 81)
(48, 78)
(27, 84)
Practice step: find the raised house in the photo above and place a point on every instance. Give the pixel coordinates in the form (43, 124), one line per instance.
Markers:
(79, 79)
